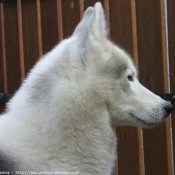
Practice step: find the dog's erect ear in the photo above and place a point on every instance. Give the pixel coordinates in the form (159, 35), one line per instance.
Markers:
(93, 22)
(99, 23)
(84, 22)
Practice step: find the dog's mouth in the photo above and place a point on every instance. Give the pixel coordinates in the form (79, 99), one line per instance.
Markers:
(146, 123)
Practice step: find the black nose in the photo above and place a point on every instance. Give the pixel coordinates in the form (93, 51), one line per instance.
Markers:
(168, 108)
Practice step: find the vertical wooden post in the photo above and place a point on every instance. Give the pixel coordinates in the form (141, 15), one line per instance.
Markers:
(21, 49)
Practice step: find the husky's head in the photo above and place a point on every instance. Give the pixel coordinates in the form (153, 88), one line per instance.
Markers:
(114, 76)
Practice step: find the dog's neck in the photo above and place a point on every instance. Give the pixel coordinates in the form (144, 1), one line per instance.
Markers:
(76, 131)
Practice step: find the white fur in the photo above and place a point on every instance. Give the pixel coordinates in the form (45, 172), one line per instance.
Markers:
(62, 117)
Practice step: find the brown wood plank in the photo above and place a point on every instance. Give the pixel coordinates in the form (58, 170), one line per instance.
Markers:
(134, 33)
(60, 26)
(3, 49)
(38, 5)
(49, 18)
(123, 31)
(1, 56)
(106, 7)
(12, 46)
(30, 33)
(171, 38)
(152, 60)
(129, 160)
(166, 84)
(20, 32)
(121, 24)
(70, 16)
(81, 2)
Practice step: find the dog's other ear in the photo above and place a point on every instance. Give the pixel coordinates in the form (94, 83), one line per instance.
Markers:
(99, 24)
(84, 22)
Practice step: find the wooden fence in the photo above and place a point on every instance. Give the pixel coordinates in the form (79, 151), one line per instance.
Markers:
(145, 28)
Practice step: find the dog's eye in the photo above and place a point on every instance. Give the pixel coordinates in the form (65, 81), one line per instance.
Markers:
(130, 77)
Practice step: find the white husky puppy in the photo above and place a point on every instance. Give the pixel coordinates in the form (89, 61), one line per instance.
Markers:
(62, 117)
